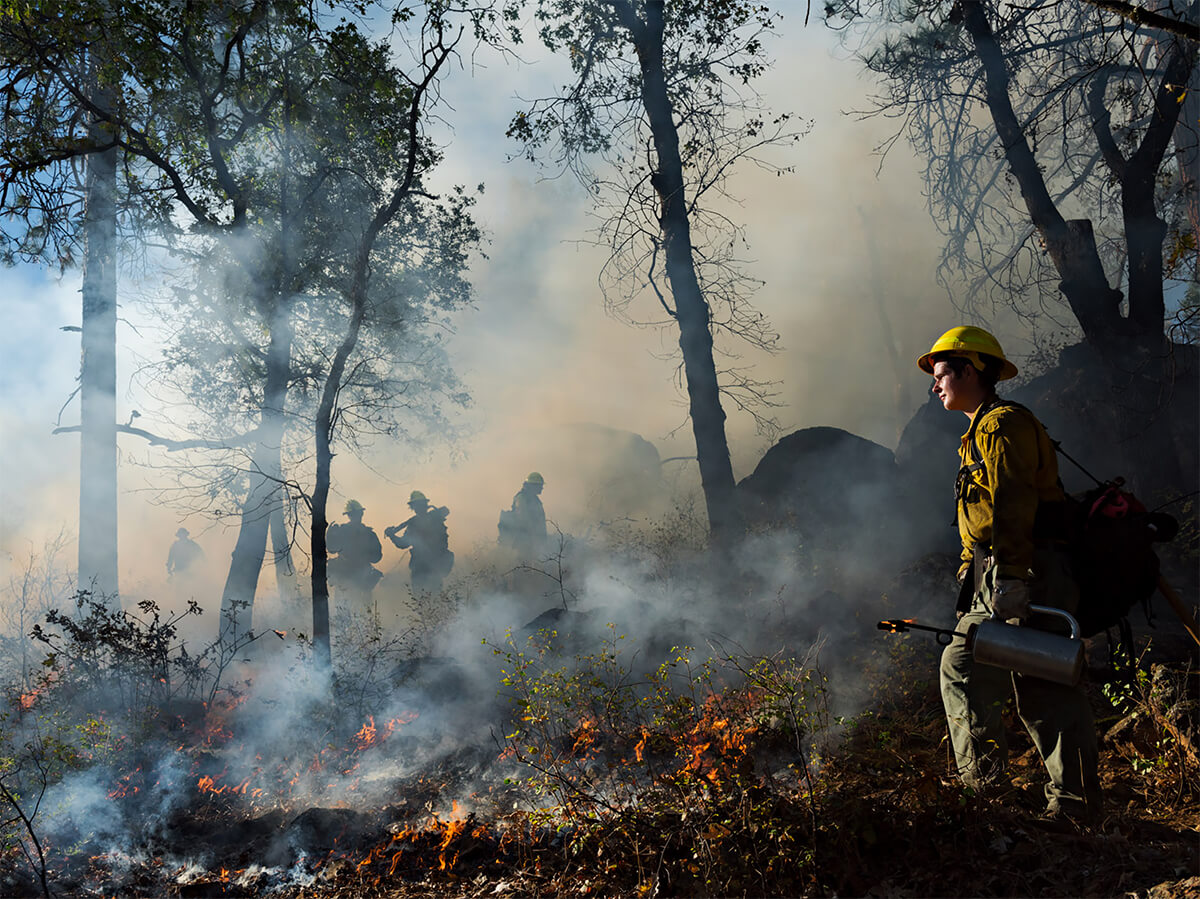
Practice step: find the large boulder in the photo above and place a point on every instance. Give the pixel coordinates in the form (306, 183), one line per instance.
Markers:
(1082, 402)
(837, 491)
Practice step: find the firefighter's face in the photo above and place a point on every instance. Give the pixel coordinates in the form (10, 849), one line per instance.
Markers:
(958, 393)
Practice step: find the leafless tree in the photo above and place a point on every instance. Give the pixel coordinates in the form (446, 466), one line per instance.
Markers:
(663, 94)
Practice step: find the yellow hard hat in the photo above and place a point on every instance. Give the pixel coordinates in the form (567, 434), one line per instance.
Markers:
(352, 506)
(535, 478)
(417, 497)
(970, 342)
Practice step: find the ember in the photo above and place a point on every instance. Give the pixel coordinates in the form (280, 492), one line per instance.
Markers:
(125, 786)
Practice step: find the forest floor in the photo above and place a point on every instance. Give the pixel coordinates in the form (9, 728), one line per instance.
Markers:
(691, 781)
(882, 815)
(891, 821)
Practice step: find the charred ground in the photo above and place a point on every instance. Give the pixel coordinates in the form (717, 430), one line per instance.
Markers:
(723, 772)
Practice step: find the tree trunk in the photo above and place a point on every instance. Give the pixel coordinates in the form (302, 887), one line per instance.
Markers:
(1144, 229)
(1133, 348)
(1071, 244)
(1141, 375)
(281, 550)
(98, 366)
(1142, 370)
(322, 650)
(326, 417)
(324, 432)
(691, 309)
(237, 599)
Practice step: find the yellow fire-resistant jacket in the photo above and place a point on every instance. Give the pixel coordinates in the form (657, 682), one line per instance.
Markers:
(997, 502)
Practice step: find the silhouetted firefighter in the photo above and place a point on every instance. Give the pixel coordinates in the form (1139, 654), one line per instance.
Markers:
(425, 536)
(352, 573)
(184, 555)
(1012, 515)
(523, 527)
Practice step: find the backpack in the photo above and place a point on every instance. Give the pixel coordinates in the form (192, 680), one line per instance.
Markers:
(507, 525)
(1111, 545)
(1110, 539)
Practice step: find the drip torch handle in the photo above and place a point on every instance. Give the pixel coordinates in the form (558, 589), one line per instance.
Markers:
(1050, 610)
(904, 625)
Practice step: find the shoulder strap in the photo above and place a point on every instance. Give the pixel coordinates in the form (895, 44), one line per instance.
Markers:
(976, 455)
(965, 472)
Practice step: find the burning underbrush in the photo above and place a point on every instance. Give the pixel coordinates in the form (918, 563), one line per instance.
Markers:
(129, 761)
(555, 761)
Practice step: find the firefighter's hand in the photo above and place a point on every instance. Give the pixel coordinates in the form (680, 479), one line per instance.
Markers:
(1010, 599)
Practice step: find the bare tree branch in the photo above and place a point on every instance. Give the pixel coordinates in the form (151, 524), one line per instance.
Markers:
(1142, 16)
(175, 445)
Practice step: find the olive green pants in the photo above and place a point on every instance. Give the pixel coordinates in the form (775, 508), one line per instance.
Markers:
(1057, 717)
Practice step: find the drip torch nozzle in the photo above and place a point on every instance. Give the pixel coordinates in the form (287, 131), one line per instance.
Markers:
(904, 625)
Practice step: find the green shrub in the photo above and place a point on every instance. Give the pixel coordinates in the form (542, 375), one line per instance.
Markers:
(694, 772)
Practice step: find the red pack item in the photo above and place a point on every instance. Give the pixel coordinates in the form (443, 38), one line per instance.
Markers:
(1112, 554)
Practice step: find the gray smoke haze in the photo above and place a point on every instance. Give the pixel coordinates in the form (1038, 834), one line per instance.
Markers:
(539, 354)
(557, 386)
(278, 748)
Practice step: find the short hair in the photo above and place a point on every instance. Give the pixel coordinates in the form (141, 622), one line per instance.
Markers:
(989, 373)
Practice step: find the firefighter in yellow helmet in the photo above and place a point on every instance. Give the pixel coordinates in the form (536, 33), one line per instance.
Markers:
(1009, 507)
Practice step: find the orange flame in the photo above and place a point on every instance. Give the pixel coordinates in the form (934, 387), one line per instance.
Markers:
(588, 732)
(27, 700)
(450, 831)
(125, 785)
(367, 735)
(640, 749)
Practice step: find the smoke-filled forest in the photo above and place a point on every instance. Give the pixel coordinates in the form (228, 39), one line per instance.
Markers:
(478, 448)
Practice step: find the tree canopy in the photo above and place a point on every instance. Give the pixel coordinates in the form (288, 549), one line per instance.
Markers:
(1056, 155)
(280, 157)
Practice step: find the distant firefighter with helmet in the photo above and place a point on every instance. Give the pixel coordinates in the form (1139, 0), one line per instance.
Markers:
(352, 572)
(1010, 511)
(184, 555)
(523, 527)
(425, 535)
